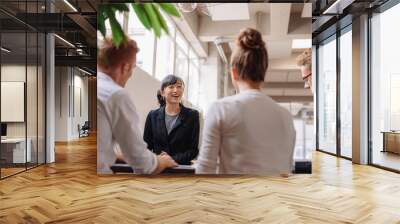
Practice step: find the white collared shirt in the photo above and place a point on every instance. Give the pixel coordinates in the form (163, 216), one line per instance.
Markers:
(247, 133)
(118, 124)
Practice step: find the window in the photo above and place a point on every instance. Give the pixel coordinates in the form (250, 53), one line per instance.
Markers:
(346, 94)
(327, 96)
(182, 43)
(165, 51)
(145, 40)
(22, 83)
(164, 56)
(385, 88)
(303, 121)
(194, 81)
(182, 68)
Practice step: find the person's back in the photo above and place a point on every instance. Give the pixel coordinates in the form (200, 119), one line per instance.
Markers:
(258, 136)
(247, 133)
(118, 120)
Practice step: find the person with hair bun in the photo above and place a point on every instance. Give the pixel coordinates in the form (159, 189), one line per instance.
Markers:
(173, 129)
(248, 133)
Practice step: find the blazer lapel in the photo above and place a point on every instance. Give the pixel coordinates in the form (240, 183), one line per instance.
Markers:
(161, 122)
(180, 120)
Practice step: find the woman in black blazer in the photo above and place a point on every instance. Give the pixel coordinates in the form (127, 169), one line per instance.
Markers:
(173, 128)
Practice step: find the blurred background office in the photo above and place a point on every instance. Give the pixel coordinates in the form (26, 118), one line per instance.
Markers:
(199, 47)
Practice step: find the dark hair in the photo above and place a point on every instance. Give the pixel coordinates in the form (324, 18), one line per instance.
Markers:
(250, 57)
(167, 81)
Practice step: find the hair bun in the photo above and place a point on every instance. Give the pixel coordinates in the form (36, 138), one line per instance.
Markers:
(250, 39)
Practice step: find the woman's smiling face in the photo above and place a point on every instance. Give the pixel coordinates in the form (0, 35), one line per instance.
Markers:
(173, 93)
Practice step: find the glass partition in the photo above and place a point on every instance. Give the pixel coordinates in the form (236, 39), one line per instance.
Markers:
(31, 99)
(346, 93)
(15, 148)
(385, 89)
(23, 91)
(327, 96)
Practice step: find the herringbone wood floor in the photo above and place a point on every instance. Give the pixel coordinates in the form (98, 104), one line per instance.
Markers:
(69, 191)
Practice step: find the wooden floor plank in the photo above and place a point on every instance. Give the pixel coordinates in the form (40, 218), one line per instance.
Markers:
(70, 191)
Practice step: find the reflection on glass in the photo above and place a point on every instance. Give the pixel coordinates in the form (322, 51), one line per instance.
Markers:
(15, 148)
(41, 100)
(327, 96)
(385, 87)
(346, 95)
(31, 100)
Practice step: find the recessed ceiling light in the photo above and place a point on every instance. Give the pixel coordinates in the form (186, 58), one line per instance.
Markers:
(64, 40)
(5, 50)
(301, 43)
(70, 5)
(84, 71)
(337, 7)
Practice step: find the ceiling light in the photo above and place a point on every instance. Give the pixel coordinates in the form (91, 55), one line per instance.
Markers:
(5, 50)
(84, 71)
(338, 6)
(70, 5)
(65, 41)
(301, 43)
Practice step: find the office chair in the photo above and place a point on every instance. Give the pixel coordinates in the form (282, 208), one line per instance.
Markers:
(84, 130)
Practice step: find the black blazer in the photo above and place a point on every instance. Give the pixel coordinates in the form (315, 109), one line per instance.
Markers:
(183, 140)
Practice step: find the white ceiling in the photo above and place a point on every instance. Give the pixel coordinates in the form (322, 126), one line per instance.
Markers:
(279, 23)
(218, 11)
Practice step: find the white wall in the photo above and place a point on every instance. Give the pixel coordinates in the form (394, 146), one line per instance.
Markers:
(143, 89)
(17, 73)
(210, 73)
(61, 103)
(33, 127)
(69, 85)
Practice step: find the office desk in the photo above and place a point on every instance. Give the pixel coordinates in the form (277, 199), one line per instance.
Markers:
(391, 141)
(300, 167)
(13, 150)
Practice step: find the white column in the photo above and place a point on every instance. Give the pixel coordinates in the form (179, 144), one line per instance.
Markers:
(360, 90)
(50, 99)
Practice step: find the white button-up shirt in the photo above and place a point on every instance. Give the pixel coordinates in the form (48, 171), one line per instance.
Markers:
(247, 133)
(118, 124)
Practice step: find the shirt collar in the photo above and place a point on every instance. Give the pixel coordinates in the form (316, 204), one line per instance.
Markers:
(251, 91)
(102, 75)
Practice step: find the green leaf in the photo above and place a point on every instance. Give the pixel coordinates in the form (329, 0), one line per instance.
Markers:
(101, 23)
(161, 19)
(119, 7)
(170, 9)
(117, 32)
(155, 23)
(141, 14)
